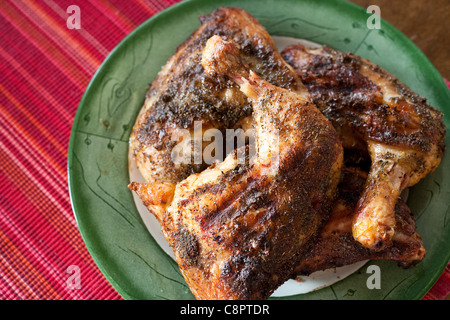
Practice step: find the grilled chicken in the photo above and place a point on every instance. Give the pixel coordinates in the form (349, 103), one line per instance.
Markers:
(238, 227)
(183, 102)
(375, 112)
(335, 245)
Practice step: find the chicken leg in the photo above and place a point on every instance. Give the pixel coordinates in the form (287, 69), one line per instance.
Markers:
(237, 228)
(335, 246)
(184, 103)
(372, 110)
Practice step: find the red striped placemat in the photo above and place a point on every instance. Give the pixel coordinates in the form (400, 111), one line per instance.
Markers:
(45, 68)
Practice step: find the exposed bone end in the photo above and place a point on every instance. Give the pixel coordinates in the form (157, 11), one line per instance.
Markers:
(221, 57)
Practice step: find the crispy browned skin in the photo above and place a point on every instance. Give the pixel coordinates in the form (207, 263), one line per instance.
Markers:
(237, 229)
(182, 93)
(335, 245)
(373, 110)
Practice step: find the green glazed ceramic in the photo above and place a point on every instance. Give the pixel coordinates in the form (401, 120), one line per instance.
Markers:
(109, 222)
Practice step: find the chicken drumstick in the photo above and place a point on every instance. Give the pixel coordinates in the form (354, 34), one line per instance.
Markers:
(371, 109)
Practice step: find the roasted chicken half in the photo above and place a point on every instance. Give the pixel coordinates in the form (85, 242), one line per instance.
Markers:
(335, 245)
(372, 110)
(238, 227)
(183, 102)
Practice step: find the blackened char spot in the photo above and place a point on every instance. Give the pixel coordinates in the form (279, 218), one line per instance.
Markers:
(187, 247)
(246, 276)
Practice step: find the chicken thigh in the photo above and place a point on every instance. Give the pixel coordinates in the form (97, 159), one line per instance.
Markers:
(375, 113)
(238, 227)
(183, 102)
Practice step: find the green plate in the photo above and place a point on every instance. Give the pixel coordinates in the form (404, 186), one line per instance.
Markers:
(109, 222)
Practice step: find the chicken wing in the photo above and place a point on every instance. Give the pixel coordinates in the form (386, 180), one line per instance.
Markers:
(237, 228)
(372, 110)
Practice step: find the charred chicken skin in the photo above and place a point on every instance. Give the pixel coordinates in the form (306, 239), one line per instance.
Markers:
(238, 229)
(182, 95)
(335, 245)
(373, 111)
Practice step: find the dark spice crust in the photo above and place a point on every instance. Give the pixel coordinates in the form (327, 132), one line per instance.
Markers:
(348, 98)
(182, 93)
